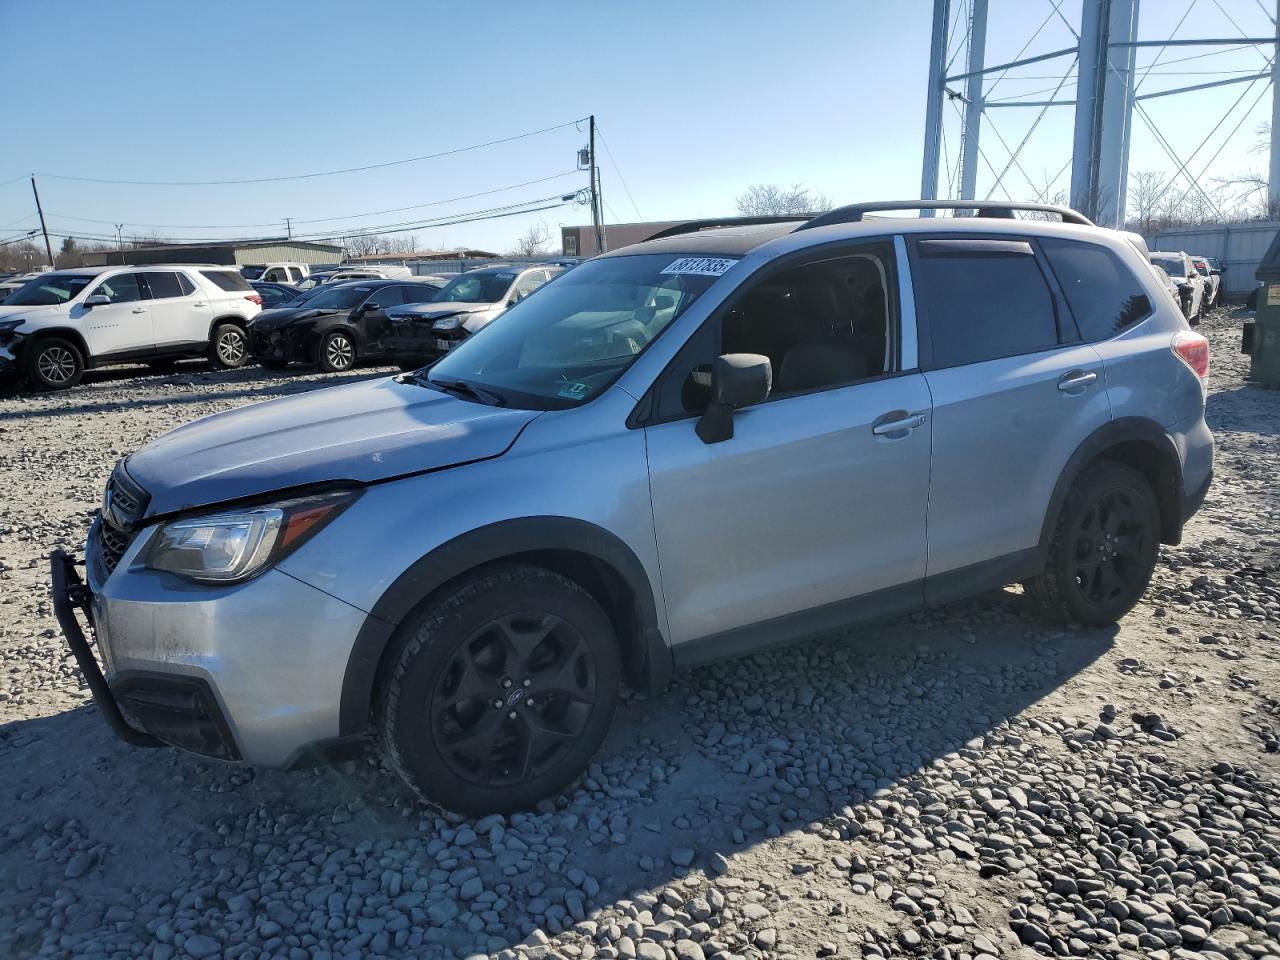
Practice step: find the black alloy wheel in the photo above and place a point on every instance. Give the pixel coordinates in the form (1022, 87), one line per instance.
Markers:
(497, 693)
(1104, 547)
(513, 699)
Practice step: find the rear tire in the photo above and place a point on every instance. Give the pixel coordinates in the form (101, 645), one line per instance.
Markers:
(52, 363)
(336, 352)
(1104, 547)
(501, 691)
(228, 347)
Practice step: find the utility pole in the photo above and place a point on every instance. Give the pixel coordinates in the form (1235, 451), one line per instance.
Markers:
(120, 242)
(48, 247)
(595, 188)
(288, 224)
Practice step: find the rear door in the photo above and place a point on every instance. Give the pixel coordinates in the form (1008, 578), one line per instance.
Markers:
(1015, 392)
(180, 315)
(123, 324)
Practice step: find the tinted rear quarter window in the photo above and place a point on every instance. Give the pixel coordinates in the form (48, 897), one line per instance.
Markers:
(984, 299)
(1104, 296)
(185, 283)
(228, 280)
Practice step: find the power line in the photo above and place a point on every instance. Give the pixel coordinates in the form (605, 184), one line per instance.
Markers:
(509, 210)
(349, 216)
(322, 173)
(621, 179)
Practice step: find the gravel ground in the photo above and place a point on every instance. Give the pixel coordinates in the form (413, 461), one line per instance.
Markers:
(967, 782)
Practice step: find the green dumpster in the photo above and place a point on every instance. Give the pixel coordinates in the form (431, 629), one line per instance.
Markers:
(1261, 337)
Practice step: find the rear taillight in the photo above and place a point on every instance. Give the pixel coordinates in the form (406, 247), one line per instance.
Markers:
(1193, 350)
(253, 298)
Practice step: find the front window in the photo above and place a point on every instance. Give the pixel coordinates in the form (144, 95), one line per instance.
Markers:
(122, 288)
(339, 298)
(478, 287)
(48, 290)
(566, 345)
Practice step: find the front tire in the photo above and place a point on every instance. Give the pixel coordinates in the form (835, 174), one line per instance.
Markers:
(228, 347)
(336, 353)
(53, 364)
(1104, 547)
(501, 692)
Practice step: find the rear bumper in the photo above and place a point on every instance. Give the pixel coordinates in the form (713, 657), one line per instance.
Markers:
(1191, 502)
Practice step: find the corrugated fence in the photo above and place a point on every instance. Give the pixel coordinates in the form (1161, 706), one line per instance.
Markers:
(1239, 247)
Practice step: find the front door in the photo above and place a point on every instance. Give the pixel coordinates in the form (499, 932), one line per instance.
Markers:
(821, 494)
(123, 324)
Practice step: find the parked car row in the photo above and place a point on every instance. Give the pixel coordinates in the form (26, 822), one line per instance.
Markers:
(56, 325)
(1195, 282)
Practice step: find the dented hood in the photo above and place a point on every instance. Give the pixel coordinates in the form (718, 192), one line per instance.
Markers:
(369, 431)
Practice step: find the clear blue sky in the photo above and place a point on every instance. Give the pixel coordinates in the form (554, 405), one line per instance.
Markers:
(696, 101)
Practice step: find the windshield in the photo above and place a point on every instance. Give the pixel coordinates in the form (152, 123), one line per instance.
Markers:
(252, 273)
(338, 298)
(49, 290)
(478, 287)
(1173, 266)
(567, 344)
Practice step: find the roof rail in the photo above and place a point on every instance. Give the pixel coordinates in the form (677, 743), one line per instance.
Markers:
(693, 226)
(1002, 209)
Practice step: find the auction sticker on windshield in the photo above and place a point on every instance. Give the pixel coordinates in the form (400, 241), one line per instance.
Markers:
(700, 266)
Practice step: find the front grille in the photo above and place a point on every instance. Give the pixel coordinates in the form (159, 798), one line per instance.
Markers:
(112, 544)
(124, 501)
(123, 505)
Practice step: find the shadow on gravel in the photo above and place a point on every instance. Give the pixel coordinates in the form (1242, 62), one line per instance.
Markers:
(159, 846)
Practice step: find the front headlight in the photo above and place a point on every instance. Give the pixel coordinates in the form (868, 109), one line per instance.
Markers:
(447, 325)
(240, 544)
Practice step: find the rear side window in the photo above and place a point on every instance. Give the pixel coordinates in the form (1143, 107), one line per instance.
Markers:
(1104, 296)
(984, 299)
(227, 279)
(163, 285)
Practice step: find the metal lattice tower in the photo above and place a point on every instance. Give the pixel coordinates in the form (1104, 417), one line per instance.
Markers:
(1106, 101)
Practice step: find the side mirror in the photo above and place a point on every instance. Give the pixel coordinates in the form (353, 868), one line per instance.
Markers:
(97, 300)
(737, 380)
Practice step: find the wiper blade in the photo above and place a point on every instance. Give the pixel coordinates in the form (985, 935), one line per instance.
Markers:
(469, 390)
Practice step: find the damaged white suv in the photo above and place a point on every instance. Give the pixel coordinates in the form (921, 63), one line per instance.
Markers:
(67, 321)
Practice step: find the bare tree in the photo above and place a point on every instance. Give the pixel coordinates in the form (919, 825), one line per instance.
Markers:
(772, 200)
(1146, 200)
(533, 242)
(22, 256)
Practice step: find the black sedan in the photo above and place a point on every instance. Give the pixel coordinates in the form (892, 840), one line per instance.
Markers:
(275, 294)
(334, 329)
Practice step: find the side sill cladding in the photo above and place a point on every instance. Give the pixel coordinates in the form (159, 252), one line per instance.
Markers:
(508, 539)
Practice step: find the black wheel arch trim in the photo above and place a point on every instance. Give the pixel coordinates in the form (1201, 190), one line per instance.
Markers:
(1112, 434)
(650, 669)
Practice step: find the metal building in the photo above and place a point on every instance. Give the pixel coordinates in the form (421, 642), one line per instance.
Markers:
(234, 254)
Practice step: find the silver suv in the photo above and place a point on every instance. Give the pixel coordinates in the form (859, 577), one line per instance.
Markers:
(720, 439)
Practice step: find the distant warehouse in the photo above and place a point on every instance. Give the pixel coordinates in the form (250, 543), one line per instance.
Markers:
(581, 241)
(232, 254)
